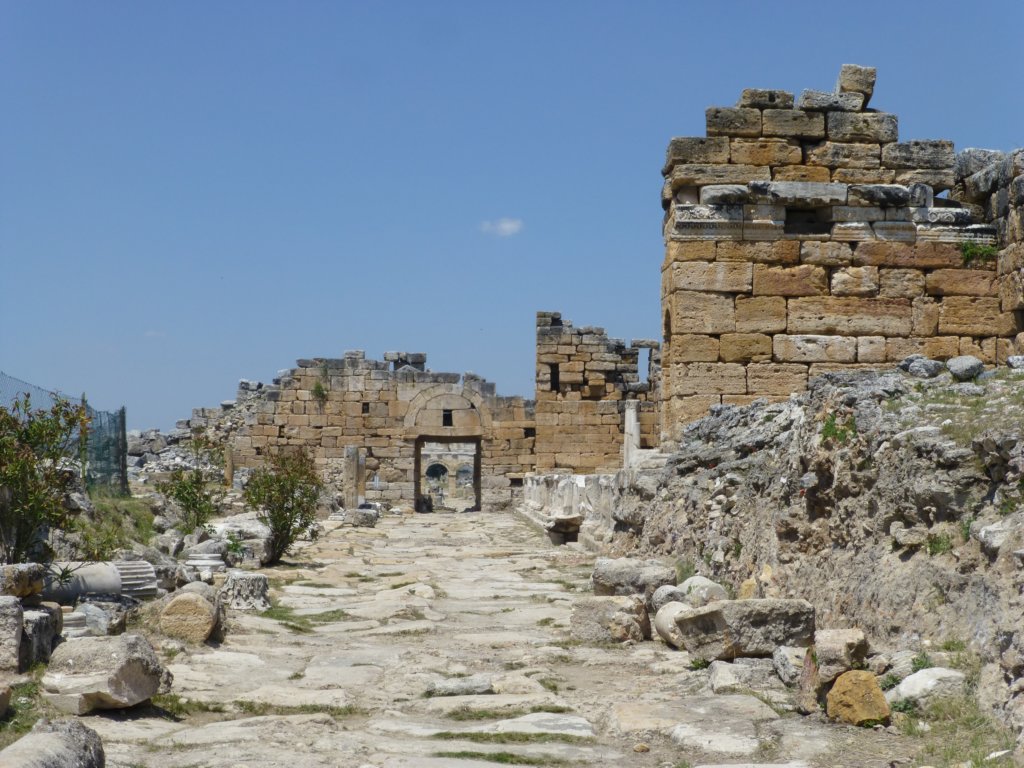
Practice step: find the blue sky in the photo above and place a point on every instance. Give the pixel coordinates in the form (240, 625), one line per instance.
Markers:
(197, 192)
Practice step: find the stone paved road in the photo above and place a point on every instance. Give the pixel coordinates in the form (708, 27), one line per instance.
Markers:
(470, 602)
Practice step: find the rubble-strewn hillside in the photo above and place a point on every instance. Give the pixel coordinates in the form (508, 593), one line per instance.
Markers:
(891, 501)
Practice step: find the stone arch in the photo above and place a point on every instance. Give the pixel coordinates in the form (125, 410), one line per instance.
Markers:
(440, 397)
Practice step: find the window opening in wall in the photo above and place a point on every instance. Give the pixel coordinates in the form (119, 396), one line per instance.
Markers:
(555, 383)
(446, 418)
(667, 326)
(807, 221)
(530, 432)
(643, 364)
(366, 408)
(516, 482)
(447, 475)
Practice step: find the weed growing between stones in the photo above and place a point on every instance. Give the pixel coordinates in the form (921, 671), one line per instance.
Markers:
(512, 738)
(939, 544)
(499, 714)
(503, 758)
(959, 733)
(972, 252)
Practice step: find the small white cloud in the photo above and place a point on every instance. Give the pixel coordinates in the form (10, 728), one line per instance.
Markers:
(502, 227)
(154, 334)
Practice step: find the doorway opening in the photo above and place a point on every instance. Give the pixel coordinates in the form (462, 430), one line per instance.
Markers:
(447, 474)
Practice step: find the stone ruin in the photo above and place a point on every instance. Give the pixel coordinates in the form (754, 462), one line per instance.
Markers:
(802, 237)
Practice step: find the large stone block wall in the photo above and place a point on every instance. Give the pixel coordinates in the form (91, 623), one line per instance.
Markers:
(803, 237)
(584, 379)
(364, 420)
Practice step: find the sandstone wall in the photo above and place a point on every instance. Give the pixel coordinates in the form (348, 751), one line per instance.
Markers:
(802, 237)
(584, 379)
(365, 421)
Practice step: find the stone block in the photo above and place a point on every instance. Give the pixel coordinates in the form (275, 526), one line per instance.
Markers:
(760, 98)
(808, 194)
(630, 576)
(793, 123)
(745, 347)
(863, 175)
(696, 149)
(693, 348)
(802, 280)
(814, 349)
(733, 121)
(766, 151)
(916, 155)
(779, 252)
(884, 195)
(823, 101)
(857, 79)
(707, 222)
(962, 282)
(824, 253)
(11, 630)
(721, 276)
(682, 410)
(849, 316)
(609, 619)
(866, 127)
(852, 232)
(847, 213)
(975, 316)
(702, 313)
(924, 316)
(895, 231)
(776, 378)
(938, 179)
(835, 155)
(689, 250)
(900, 283)
(801, 173)
(729, 629)
(724, 194)
(709, 378)
(855, 281)
(916, 256)
(763, 314)
(700, 174)
(1011, 292)
(857, 699)
(871, 349)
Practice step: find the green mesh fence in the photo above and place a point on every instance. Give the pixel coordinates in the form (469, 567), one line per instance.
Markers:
(107, 443)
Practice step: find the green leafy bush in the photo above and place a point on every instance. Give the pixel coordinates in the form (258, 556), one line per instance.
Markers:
(972, 252)
(196, 491)
(285, 493)
(34, 475)
(841, 433)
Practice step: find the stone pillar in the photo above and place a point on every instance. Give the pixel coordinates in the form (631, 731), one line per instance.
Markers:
(631, 433)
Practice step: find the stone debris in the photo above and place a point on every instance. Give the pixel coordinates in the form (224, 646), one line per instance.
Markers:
(56, 744)
(728, 629)
(609, 620)
(928, 685)
(855, 698)
(244, 591)
(89, 673)
(625, 576)
(189, 617)
(839, 650)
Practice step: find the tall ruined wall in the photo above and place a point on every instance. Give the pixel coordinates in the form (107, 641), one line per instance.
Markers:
(584, 379)
(802, 236)
(365, 422)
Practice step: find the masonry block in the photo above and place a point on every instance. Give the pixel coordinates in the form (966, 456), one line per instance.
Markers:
(849, 316)
(702, 313)
(693, 348)
(802, 280)
(814, 349)
(733, 121)
(935, 347)
(697, 149)
(871, 349)
(841, 155)
(764, 314)
(745, 347)
(801, 173)
(793, 123)
(689, 250)
(900, 283)
(917, 256)
(766, 151)
(709, 378)
(867, 127)
(975, 316)
(721, 277)
(779, 252)
(855, 281)
(961, 282)
(776, 378)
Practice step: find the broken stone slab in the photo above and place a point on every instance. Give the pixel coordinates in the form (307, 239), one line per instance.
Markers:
(911, 538)
(928, 685)
(473, 685)
(40, 631)
(857, 79)
(838, 651)
(993, 537)
(696, 149)
(936, 154)
(957, 217)
(742, 676)
(856, 698)
(65, 582)
(971, 160)
(609, 620)
(813, 194)
(87, 673)
(965, 367)
(727, 629)
(822, 101)
(867, 127)
(21, 580)
(56, 744)
(722, 725)
(884, 195)
(789, 663)
(629, 576)
(245, 591)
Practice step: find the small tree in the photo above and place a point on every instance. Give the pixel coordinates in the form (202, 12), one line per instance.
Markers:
(35, 475)
(196, 490)
(285, 493)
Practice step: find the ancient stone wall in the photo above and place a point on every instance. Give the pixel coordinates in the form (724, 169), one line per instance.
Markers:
(366, 423)
(802, 236)
(584, 380)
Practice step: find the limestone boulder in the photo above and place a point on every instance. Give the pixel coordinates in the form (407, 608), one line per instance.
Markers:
(39, 632)
(965, 367)
(838, 651)
(856, 699)
(56, 744)
(630, 576)
(928, 686)
(699, 590)
(245, 591)
(789, 663)
(11, 629)
(472, 685)
(609, 619)
(727, 629)
(87, 673)
(189, 617)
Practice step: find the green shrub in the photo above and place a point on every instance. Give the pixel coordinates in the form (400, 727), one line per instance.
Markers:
(972, 252)
(921, 661)
(285, 493)
(34, 476)
(939, 544)
(841, 433)
(197, 491)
